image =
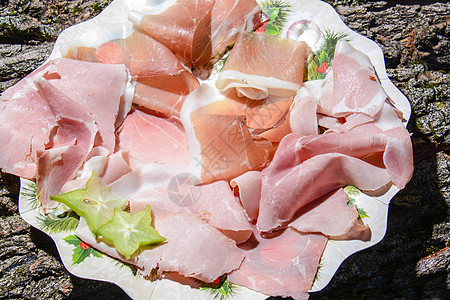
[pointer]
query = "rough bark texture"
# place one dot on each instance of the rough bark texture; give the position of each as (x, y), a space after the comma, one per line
(411, 262)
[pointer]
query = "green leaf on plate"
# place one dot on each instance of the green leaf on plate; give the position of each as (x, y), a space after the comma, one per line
(95, 203)
(81, 250)
(128, 232)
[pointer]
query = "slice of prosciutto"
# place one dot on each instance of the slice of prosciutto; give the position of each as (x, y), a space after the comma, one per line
(160, 81)
(148, 138)
(352, 86)
(220, 145)
(285, 265)
(248, 185)
(198, 31)
(333, 217)
(261, 66)
(193, 249)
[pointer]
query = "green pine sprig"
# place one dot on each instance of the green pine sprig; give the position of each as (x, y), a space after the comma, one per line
(221, 291)
(29, 194)
(66, 223)
(352, 192)
(325, 54)
(277, 11)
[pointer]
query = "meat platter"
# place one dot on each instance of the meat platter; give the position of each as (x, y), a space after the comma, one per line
(278, 149)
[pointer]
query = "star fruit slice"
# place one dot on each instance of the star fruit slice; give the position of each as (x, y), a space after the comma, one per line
(95, 203)
(128, 232)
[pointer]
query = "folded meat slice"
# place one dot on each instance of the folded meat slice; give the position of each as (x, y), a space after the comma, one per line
(220, 145)
(352, 86)
(72, 142)
(285, 265)
(184, 27)
(30, 121)
(261, 66)
(193, 249)
(331, 216)
(248, 186)
(148, 138)
(161, 81)
(199, 31)
(288, 186)
(214, 203)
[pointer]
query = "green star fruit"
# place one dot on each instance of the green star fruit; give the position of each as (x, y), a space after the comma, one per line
(95, 203)
(128, 232)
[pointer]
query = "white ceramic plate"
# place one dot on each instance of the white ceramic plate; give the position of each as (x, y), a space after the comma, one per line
(112, 24)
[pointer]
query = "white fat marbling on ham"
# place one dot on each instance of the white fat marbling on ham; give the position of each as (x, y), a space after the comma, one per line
(206, 252)
(248, 70)
(287, 186)
(249, 187)
(148, 138)
(285, 265)
(352, 85)
(333, 217)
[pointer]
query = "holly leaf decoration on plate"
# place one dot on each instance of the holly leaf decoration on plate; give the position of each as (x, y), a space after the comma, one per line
(81, 250)
(95, 203)
(128, 232)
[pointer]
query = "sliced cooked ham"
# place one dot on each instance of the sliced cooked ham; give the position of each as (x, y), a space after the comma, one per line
(214, 203)
(261, 66)
(352, 86)
(285, 265)
(333, 217)
(220, 146)
(287, 186)
(193, 249)
(248, 185)
(148, 138)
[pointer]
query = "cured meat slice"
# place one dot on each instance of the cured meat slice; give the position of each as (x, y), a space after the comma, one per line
(287, 188)
(333, 217)
(220, 146)
(184, 27)
(352, 86)
(261, 66)
(148, 138)
(214, 203)
(161, 82)
(228, 18)
(193, 249)
(71, 144)
(248, 185)
(199, 31)
(285, 265)
(96, 96)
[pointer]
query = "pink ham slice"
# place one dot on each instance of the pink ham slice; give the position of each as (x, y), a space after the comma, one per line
(214, 203)
(148, 138)
(333, 217)
(96, 96)
(285, 265)
(161, 82)
(288, 185)
(261, 66)
(72, 143)
(352, 86)
(248, 185)
(206, 252)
